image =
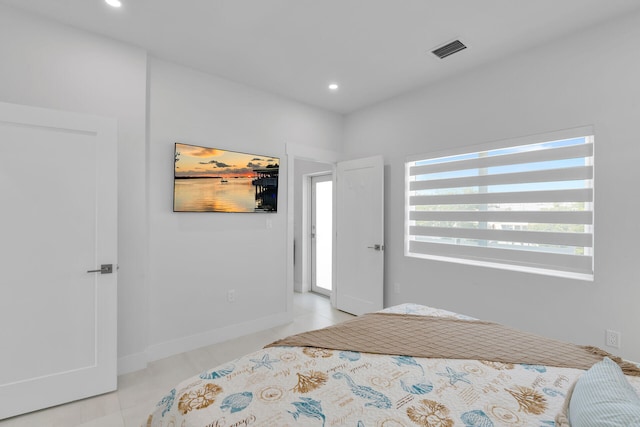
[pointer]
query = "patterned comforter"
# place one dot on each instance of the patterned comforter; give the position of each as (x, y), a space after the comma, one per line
(302, 386)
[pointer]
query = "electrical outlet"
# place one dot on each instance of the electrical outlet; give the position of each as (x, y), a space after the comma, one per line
(612, 338)
(231, 295)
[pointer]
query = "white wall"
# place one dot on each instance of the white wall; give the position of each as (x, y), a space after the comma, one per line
(49, 65)
(195, 258)
(590, 78)
(175, 269)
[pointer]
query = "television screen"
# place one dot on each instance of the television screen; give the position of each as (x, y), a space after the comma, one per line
(215, 180)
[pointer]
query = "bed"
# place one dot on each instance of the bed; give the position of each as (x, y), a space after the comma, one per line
(295, 382)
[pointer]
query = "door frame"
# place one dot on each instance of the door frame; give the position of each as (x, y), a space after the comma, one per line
(307, 230)
(293, 152)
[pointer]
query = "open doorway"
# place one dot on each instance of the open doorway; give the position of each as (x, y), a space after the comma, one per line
(358, 275)
(321, 232)
(307, 171)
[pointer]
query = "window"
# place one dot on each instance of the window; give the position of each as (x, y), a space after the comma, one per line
(524, 205)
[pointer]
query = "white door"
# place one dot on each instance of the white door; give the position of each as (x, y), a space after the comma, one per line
(58, 187)
(360, 235)
(322, 233)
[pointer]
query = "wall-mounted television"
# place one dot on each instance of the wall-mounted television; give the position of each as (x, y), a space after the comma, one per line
(216, 180)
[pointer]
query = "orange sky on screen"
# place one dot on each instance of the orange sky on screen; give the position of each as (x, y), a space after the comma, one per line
(203, 161)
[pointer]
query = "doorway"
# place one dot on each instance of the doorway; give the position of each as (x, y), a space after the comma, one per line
(58, 302)
(302, 256)
(321, 233)
(304, 161)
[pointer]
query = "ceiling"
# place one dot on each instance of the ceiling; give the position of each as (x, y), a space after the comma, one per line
(374, 49)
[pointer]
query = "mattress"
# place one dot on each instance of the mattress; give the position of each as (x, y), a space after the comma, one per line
(307, 386)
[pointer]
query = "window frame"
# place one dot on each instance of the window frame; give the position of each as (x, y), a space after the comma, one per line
(584, 131)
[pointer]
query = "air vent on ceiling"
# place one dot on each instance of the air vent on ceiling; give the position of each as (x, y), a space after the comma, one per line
(449, 49)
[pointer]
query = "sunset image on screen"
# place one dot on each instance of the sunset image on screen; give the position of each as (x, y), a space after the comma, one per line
(215, 180)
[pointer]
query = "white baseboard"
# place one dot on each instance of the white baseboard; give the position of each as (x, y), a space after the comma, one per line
(139, 361)
(132, 363)
(302, 287)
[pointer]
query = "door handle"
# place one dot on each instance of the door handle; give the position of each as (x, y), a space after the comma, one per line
(376, 247)
(104, 269)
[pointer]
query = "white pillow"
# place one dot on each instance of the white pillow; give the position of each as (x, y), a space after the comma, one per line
(602, 397)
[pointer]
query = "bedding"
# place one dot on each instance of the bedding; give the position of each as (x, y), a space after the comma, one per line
(448, 338)
(312, 386)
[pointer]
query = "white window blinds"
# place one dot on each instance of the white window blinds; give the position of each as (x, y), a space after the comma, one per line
(523, 204)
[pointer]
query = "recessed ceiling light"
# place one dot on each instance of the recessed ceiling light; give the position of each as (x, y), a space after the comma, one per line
(333, 86)
(114, 3)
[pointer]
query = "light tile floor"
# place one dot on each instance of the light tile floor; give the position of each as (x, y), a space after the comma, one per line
(139, 391)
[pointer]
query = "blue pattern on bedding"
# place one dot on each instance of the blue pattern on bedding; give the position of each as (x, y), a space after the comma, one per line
(219, 373)
(309, 408)
(476, 418)
(167, 402)
(376, 398)
(352, 356)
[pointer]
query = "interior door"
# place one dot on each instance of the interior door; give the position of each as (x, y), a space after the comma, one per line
(322, 233)
(360, 235)
(58, 220)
